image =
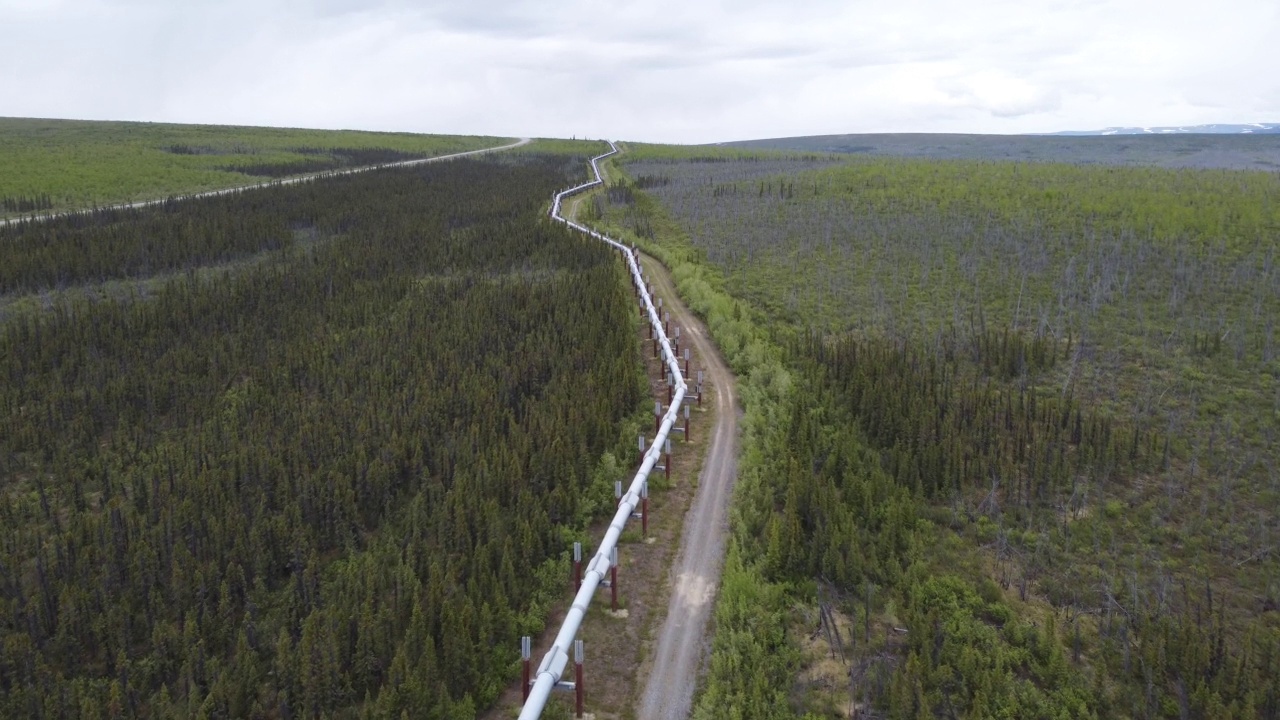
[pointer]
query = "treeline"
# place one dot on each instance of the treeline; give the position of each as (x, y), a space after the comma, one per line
(328, 485)
(946, 419)
(321, 159)
(22, 203)
(112, 244)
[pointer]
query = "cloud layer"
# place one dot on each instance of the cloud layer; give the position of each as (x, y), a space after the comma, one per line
(657, 71)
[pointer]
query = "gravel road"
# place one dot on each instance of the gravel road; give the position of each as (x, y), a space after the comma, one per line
(682, 644)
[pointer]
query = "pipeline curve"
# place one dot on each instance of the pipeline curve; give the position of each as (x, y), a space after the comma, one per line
(551, 669)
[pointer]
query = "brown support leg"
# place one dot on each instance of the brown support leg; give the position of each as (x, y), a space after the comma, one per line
(613, 588)
(644, 510)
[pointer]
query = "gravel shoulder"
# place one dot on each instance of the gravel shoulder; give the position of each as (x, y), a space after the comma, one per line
(681, 645)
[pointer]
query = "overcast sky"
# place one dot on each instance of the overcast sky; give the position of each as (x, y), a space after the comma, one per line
(654, 70)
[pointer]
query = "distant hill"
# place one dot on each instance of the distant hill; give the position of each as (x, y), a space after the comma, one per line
(1240, 151)
(1245, 129)
(57, 165)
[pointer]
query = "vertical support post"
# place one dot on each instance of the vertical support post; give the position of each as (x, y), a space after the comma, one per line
(644, 510)
(666, 465)
(655, 344)
(642, 444)
(666, 323)
(613, 579)
(657, 416)
(686, 362)
(577, 567)
(699, 388)
(617, 490)
(526, 652)
(670, 387)
(686, 425)
(578, 690)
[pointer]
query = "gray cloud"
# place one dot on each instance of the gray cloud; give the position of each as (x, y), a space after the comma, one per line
(662, 70)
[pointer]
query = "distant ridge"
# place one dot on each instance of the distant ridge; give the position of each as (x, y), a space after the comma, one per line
(1256, 150)
(1243, 129)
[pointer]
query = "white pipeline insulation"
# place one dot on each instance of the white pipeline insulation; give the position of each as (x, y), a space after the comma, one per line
(554, 662)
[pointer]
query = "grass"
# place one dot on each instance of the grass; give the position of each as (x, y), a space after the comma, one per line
(72, 164)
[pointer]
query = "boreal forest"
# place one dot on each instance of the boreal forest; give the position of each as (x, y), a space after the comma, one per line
(1008, 448)
(1011, 430)
(304, 451)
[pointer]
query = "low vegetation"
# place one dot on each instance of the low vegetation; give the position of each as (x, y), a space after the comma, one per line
(1191, 150)
(70, 164)
(1013, 424)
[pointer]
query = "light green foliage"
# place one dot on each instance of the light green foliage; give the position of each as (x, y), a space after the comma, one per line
(78, 164)
(752, 662)
(1008, 381)
(974, 661)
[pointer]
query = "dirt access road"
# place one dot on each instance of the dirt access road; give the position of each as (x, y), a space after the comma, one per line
(644, 663)
(681, 646)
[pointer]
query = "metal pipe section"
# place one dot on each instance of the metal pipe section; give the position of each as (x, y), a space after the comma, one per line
(557, 658)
